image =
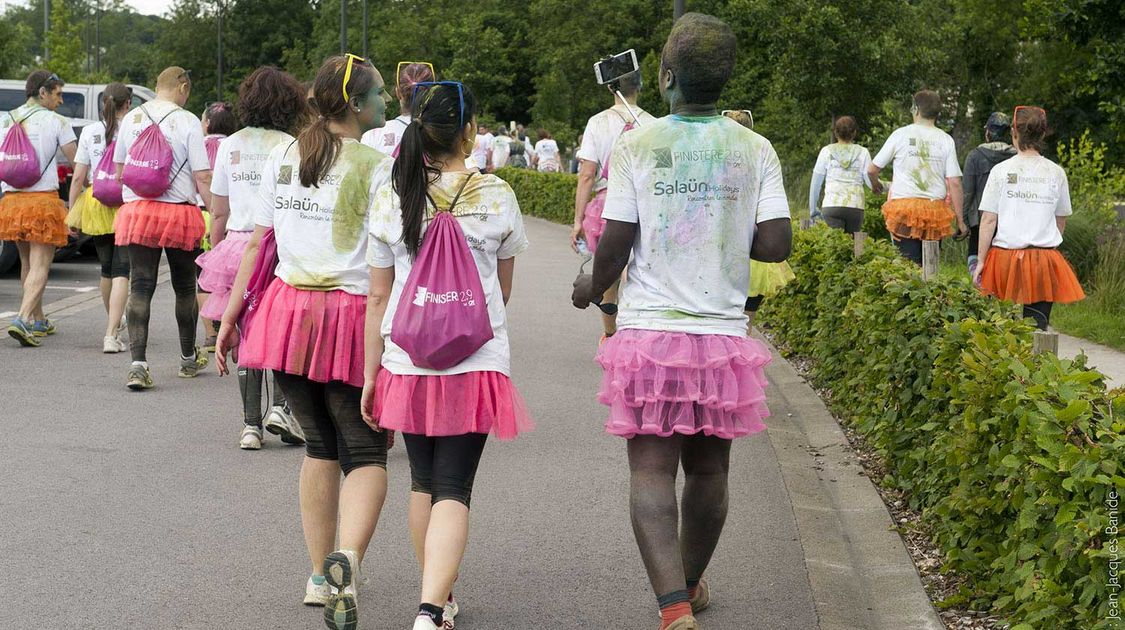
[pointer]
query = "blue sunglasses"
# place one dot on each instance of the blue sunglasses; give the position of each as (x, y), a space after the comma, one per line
(430, 84)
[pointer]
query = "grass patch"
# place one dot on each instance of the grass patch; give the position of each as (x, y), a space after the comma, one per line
(1086, 319)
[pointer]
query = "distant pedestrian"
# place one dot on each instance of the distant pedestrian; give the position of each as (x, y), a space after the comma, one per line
(978, 165)
(482, 149)
(841, 171)
(520, 149)
(96, 218)
(317, 194)
(386, 138)
(219, 122)
(547, 153)
(501, 148)
(31, 213)
(926, 173)
(1023, 216)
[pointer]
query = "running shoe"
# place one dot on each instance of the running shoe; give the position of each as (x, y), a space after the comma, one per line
(42, 328)
(113, 345)
(341, 611)
(21, 332)
(189, 368)
(315, 594)
(685, 623)
(251, 440)
(449, 614)
(281, 423)
(423, 622)
(139, 378)
(702, 598)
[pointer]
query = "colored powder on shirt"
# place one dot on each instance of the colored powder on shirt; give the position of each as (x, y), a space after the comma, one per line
(355, 195)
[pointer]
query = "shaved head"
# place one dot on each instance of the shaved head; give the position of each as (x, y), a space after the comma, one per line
(700, 51)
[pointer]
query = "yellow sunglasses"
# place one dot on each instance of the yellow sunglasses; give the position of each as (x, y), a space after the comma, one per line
(402, 64)
(350, 60)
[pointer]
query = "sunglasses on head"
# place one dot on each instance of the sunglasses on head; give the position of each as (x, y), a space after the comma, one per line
(349, 61)
(728, 112)
(50, 78)
(402, 64)
(460, 96)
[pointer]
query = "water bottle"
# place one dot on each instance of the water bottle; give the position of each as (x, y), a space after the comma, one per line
(583, 249)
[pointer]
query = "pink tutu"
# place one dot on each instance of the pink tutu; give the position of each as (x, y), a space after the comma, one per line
(220, 266)
(315, 334)
(452, 404)
(593, 224)
(159, 224)
(660, 383)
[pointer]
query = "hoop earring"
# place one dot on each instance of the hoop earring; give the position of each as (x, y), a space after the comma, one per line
(472, 144)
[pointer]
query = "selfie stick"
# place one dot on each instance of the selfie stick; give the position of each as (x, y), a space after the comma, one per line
(617, 91)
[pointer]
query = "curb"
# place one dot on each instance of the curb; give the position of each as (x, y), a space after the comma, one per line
(859, 570)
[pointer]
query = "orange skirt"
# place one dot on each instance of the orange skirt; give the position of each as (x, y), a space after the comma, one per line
(1026, 276)
(33, 217)
(920, 219)
(159, 224)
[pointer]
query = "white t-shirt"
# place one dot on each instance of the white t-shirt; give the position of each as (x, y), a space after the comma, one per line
(321, 231)
(184, 134)
(602, 131)
(844, 167)
(481, 150)
(547, 152)
(923, 158)
(238, 172)
(386, 139)
(501, 150)
(489, 215)
(91, 147)
(1026, 194)
(47, 131)
(697, 188)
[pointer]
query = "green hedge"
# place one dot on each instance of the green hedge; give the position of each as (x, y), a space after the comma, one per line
(545, 195)
(1009, 456)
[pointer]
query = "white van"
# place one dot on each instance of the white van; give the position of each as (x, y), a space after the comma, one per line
(81, 104)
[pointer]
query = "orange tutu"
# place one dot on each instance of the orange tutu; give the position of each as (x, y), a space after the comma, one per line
(1026, 276)
(159, 224)
(920, 219)
(33, 217)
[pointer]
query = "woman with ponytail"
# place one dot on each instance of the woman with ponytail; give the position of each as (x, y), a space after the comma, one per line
(316, 194)
(96, 219)
(387, 138)
(445, 415)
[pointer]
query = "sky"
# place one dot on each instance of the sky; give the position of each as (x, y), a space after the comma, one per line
(150, 7)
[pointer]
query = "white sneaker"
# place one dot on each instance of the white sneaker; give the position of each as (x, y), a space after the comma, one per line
(281, 423)
(341, 570)
(113, 345)
(317, 594)
(423, 622)
(450, 612)
(251, 440)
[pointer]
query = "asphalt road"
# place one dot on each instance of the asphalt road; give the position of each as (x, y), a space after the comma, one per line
(138, 510)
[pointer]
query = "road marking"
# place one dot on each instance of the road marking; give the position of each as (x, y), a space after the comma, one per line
(75, 289)
(7, 314)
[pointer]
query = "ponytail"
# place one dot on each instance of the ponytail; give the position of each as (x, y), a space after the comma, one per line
(319, 148)
(114, 97)
(411, 176)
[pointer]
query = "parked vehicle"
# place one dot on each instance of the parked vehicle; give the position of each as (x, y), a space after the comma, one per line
(81, 103)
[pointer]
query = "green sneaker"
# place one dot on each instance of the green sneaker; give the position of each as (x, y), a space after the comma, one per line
(189, 368)
(139, 378)
(42, 328)
(22, 332)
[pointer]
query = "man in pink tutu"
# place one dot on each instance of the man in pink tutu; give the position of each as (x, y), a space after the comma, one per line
(692, 198)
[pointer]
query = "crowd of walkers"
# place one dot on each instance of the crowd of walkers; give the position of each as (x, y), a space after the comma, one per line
(362, 266)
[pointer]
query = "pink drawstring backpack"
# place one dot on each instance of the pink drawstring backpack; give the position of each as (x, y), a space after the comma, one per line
(19, 164)
(148, 166)
(264, 273)
(106, 187)
(211, 143)
(442, 317)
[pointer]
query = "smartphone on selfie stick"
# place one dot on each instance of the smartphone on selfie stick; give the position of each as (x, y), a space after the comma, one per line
(612, 68)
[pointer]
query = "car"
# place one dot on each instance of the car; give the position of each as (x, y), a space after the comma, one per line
(80, 104)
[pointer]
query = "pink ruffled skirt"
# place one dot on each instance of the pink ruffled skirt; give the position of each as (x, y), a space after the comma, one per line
(593, 224)
(315, 334)
(660, 383)
(453, 404)
(220, 266)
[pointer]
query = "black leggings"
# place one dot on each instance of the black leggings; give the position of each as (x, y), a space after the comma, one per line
(114, 260)
(250, 384)
(444, 467)
(974, 241)
(675, 551)
(1040, 312)
(329, 414)
(144, 265)
(849, 220)
(910, 248)
(754, 302)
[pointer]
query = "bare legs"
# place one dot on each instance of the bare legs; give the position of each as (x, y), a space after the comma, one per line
(35, 265)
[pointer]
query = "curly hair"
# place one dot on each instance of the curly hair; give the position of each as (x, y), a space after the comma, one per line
(272, 99)
(701, 51)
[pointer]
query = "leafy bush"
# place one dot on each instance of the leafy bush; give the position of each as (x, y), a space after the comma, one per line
(545, 195)
(1009, 456)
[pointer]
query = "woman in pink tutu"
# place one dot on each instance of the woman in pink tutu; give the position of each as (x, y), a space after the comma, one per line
(692, 198)
(271, 105)
(316, 193)
(445, 415)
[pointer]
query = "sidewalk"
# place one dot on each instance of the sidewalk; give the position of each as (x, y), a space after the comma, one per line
(1102, 358)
